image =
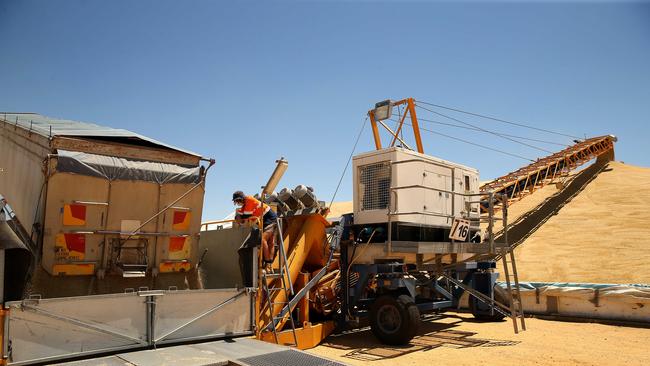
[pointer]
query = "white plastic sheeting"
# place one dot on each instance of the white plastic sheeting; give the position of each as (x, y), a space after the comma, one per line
(584, 300)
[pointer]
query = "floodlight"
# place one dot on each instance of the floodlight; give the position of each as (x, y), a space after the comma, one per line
(383, 110)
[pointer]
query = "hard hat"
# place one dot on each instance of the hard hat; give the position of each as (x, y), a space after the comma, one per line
(238, 195)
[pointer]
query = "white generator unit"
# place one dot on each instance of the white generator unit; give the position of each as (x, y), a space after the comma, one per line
(415, 197)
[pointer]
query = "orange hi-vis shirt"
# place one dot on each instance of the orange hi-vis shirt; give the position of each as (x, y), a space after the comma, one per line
(253, 207)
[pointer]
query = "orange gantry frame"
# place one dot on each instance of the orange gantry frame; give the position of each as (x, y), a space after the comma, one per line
(526, 180)
(410, 110)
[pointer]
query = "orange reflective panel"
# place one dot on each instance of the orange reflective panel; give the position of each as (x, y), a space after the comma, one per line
(70, 247)
(74, 215)
(166, 267)
(179, 247)
(181, 220)
(73, 269)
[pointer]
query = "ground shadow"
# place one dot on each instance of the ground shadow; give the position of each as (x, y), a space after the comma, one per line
(362, 345)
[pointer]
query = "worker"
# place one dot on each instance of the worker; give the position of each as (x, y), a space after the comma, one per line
(251, 209)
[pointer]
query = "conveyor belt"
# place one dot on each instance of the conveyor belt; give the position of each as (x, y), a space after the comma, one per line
(527, 179)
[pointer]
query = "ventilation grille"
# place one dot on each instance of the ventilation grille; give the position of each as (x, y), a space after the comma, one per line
(374, 186)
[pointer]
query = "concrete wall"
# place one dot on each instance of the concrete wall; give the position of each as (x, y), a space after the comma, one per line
(220, 267)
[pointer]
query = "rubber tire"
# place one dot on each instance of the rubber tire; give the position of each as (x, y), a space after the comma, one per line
(409, 319)
(500, 296)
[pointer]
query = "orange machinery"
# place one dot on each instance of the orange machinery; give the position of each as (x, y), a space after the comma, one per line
(308, 255)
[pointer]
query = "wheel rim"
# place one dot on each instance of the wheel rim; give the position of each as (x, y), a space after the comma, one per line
(388, 319)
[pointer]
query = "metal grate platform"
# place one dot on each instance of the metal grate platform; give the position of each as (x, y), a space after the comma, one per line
(235, 351)
(287, 358)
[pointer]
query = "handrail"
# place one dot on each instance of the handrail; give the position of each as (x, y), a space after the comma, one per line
(214, 222)
(493, 199)
(439, 190)
(442, 165)
(476, 219)
(394, 189)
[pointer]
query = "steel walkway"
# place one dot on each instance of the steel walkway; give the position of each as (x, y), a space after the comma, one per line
(238, 351)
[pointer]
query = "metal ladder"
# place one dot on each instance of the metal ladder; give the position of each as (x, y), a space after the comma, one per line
(508, 258)
(516, 308)
(286, 286)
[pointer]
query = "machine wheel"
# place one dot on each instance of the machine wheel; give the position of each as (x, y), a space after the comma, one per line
(500, 296)
(394, 320)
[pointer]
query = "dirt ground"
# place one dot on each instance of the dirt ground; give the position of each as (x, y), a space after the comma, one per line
(456, 339)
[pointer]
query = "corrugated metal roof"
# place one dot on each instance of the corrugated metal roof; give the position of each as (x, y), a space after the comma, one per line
(52, 127)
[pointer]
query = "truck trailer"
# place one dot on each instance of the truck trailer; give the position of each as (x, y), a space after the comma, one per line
(92, 201)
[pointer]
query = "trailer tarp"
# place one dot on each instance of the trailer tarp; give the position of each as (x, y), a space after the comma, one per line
(51, 127)
(115, 168)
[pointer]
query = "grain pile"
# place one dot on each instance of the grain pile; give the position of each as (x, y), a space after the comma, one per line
(602, 235)
(339, 208)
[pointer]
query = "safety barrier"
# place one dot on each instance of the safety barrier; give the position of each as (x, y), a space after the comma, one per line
(43, 330)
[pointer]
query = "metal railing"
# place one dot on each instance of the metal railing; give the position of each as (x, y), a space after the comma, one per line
(215, 222)
(492, 201)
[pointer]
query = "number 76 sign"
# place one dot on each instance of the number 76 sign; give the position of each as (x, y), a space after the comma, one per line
(459, 229)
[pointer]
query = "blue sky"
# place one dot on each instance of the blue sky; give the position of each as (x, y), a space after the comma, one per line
(248, 82)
